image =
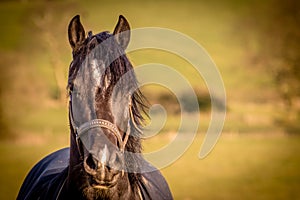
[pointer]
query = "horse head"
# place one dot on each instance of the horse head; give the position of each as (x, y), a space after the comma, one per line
(103, 104)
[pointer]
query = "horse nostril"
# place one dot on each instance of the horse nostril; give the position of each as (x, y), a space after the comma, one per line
(91, 163)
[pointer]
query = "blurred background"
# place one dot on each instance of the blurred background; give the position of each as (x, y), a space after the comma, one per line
(255, 45)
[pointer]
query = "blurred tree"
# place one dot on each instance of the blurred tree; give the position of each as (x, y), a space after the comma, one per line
(51, 29)
(276, 26)
(45, 24)
(283, 44)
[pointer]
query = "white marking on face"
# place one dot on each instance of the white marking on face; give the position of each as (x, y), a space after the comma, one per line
(96, 71)
(103, 158)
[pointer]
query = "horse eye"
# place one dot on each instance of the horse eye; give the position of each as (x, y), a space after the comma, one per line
(71, 88)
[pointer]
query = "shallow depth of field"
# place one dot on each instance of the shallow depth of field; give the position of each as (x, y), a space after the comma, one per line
(256, 156)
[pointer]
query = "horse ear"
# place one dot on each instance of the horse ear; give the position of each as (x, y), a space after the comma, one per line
(76, 33)
(122, 32)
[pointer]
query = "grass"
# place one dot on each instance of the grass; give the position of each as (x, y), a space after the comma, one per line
(240, 167)
(11, 34)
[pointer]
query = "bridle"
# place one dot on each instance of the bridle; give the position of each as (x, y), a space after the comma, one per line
(80, 130)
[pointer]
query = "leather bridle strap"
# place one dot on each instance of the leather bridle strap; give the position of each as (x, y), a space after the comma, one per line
(103, 124)
(79, 131)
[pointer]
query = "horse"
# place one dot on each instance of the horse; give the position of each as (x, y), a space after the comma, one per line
(106, 113)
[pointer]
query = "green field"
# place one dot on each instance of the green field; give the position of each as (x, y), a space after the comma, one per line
(255, 158)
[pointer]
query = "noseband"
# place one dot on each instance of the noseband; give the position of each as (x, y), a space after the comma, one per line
(103, 124)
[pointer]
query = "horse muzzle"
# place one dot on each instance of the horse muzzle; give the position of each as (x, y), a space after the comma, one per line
(105, 168)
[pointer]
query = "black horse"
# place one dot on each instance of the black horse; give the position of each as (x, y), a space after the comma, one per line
(105, 112)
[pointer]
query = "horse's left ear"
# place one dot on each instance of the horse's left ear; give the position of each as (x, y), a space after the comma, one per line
(122, 32)
(76, 33)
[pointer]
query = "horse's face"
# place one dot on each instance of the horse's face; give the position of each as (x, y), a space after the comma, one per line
(100, 101)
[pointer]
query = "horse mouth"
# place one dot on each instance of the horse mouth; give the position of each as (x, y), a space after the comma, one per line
(100, 184)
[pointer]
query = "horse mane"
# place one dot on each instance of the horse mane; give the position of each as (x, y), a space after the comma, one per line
(115, 70)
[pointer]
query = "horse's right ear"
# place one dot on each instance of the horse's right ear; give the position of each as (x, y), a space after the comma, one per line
(122, 32)
(76, 33)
